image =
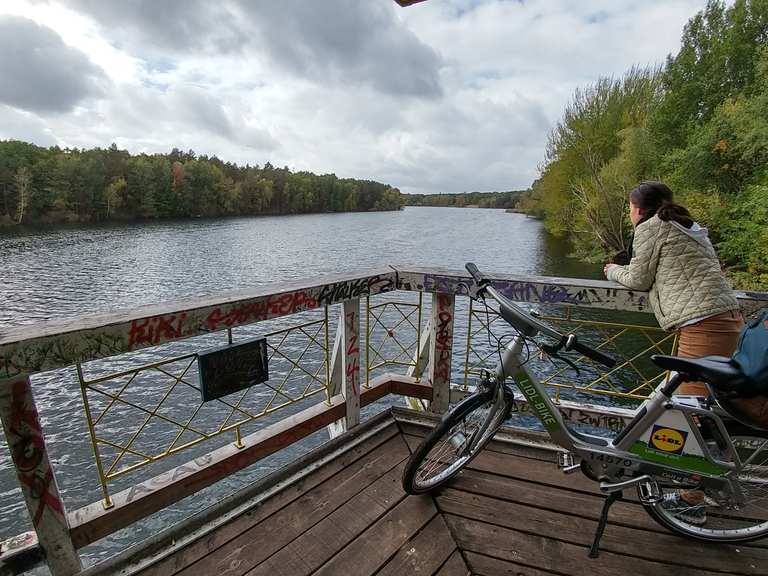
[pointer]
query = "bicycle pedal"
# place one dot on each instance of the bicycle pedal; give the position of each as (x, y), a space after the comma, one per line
(565, 460)
(650, 493)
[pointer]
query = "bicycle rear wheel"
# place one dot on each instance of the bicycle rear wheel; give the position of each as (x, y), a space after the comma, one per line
(707, 516)
(454, 442)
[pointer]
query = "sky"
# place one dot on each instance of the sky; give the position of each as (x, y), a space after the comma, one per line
(442, 96)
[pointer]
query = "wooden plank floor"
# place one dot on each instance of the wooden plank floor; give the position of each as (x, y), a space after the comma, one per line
(511, 512)
(349, 517)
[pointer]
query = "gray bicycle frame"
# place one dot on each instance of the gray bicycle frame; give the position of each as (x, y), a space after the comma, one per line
(613, 457)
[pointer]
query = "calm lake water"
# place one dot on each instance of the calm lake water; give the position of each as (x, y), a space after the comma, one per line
(69, 272)
(66, 272)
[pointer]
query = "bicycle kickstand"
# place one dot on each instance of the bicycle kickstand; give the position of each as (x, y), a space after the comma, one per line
(594, 552)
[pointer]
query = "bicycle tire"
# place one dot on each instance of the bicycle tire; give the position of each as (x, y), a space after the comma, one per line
(754, 527)
(413, 482)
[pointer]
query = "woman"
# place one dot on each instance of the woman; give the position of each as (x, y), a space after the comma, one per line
(674, 259)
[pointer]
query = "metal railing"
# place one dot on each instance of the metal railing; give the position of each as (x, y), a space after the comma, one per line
(318, 384)
(633, 378)
(382, 329)
(165, 397)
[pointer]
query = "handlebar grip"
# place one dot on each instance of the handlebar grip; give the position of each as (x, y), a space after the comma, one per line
(474, 272)
(595, 355)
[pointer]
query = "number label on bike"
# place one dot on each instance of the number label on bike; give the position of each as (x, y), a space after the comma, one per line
(608, 459)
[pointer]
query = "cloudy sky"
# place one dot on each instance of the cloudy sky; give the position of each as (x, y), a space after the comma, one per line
(444, 96)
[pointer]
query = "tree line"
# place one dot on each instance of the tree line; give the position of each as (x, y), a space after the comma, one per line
(699, 122)
(479, 199)
(46, 185)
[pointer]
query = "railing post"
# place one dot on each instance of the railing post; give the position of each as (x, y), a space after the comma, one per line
(26, 442)
(335, 381)
(420, 362)
(351, 374)
(441, 350)
(345, 366)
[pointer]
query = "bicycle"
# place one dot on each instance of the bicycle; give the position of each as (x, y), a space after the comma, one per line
(675, 447)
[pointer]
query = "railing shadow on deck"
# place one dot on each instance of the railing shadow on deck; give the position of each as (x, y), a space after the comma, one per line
(334, 345)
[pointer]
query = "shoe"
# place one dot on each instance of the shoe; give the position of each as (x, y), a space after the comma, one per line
(694, 514)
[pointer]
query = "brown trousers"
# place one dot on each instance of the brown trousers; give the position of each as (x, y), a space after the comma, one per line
(718, 335)
(713, 336)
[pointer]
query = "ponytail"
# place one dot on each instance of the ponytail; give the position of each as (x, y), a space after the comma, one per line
(671, 211)
(655, 198)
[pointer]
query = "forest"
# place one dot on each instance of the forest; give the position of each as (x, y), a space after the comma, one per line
(699, 123)
(477, 199)
(47, 185)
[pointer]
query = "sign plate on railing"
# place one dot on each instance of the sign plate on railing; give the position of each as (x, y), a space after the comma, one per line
(232, 368)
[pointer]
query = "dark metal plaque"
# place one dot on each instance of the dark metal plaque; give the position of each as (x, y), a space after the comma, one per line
(232, 368)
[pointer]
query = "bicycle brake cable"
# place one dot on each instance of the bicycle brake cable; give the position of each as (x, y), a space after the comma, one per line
(551, 350)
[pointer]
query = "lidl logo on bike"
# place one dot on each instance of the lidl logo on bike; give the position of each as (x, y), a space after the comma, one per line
(667, 440)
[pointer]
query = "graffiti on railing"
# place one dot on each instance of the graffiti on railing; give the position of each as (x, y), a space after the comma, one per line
(352, 324)
(58, 349)
(351, 289)
(25, 439)
(151, 331)
(443, 337)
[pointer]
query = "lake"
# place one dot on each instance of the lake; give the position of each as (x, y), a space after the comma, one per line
(68, 271)
(71, 271)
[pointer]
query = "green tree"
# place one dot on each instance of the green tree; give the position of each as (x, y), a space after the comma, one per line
(113, 194)
(23, 181)
(595, 155)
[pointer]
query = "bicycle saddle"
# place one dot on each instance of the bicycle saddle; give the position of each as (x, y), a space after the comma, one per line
(717, 371)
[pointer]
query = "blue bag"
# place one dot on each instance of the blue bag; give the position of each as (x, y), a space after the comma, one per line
(752, 354)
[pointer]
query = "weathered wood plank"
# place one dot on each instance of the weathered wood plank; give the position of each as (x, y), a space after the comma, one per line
(46, 346)
(317, 545)
(26, 441)
(454, 566)
(350, 326)
(181, 558)
(370, 551)
(545, 473)
(441, 352)
(425, 553)
(653, 546)
(93, 522)
(526, 451)
(543, 289)
(259, 542)
(564, 501)
(554, 555)
(487, 566)
(406, 386)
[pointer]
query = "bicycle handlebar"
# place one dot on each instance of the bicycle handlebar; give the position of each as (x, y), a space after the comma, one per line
(529, 326)
(594, 354)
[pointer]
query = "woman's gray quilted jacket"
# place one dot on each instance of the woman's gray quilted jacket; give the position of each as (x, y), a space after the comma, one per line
(680, 268)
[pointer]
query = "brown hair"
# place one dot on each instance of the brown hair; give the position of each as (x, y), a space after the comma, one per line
(655, 198)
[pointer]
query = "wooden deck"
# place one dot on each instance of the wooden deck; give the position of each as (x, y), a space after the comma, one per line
(512, 512)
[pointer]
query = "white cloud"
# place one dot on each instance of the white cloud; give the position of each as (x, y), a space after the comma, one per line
(444, 96)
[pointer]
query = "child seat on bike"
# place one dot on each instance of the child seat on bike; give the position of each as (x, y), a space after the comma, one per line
(730, 386)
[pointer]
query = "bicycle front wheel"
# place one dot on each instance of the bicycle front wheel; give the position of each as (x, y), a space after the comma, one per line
(706, 516)
(452, 444)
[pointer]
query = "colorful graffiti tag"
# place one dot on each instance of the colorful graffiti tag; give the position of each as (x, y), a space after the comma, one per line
(25, 439)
